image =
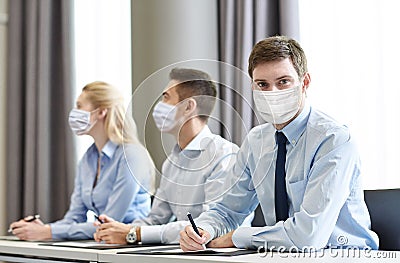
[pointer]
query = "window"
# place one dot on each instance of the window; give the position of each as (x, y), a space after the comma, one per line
(353, 62)
(102, 48)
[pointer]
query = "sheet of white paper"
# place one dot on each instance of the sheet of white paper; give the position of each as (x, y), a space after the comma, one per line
(178, 250)
(81, 244)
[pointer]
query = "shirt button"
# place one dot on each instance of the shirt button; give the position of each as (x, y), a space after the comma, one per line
(293, 141)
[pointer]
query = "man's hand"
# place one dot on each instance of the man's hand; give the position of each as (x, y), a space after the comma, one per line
(222, 241)
(31, 231)
(191, 241)
(104, 219)
(112, 233)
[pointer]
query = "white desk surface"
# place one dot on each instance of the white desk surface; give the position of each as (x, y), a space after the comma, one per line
(25, 250)
(335, 256)
(33, 249)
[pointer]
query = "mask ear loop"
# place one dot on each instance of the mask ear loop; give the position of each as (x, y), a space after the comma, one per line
(95, 121)
(93, 111)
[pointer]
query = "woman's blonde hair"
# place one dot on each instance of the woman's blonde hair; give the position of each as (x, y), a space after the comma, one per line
(120, 127)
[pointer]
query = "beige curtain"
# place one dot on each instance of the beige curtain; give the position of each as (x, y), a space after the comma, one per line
(242, 24)
(40, 165)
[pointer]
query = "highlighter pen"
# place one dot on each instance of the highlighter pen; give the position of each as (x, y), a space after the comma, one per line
(31, 219)
(189, 215)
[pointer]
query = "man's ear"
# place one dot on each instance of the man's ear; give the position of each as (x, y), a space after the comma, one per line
(191, 106)
(306, 81)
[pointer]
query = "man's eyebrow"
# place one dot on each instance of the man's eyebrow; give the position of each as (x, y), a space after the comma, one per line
(278, 78)
(284, 77)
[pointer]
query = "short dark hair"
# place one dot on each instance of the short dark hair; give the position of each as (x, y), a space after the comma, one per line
(197, 84)
(276, 48)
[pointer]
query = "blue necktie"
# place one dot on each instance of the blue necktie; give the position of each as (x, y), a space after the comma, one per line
(281, 202)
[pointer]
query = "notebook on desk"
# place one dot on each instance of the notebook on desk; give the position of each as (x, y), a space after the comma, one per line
(14, 238)
(177, 251)
(91, 244)
(10, 238)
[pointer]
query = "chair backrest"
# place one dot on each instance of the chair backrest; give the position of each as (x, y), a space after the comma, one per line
(384, 210)
(258, 219)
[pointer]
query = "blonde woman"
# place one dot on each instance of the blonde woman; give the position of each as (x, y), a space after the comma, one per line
(113, 176)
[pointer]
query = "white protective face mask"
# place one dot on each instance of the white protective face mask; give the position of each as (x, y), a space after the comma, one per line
(164, 116)
(279, 106)
(79, 121)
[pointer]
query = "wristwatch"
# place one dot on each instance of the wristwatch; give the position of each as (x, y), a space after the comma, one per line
(131, 237)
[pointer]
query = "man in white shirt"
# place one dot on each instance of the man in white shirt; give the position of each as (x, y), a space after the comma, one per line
(192, 174)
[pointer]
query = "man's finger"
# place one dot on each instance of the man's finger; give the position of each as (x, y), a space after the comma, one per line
(107, 239)
(106, 219)
(96, 237)
(189, 243)
(198, 239)
(183, 246)
(106, 226)
(101, 235)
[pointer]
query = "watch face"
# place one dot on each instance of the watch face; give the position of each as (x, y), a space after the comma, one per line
(131, 236)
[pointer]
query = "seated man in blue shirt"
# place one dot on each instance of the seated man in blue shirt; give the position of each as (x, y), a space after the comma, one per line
(192, 176)
(302, 167)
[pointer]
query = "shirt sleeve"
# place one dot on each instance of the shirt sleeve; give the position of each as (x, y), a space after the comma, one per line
(326, 191)
(165, 234)
(169, 233)
(161, 211)
(76, 212)
(214, 185)
(239, 201)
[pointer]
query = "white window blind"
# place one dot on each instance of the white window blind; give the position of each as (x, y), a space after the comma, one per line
(102, 48)
(353, 60)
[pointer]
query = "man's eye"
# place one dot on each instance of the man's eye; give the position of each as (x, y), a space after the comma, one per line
(262, 84)
(284, 81)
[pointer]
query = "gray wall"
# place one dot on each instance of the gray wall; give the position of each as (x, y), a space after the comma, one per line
(3, 47)
(164, 33)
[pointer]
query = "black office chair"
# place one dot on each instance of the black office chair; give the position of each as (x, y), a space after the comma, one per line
(383, 206)
(258, 219)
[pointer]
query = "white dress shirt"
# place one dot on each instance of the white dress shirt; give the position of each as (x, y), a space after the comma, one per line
(192, 179)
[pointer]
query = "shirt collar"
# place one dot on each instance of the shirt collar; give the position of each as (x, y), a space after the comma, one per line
(295, 128)
(197, 143)
(109, 149)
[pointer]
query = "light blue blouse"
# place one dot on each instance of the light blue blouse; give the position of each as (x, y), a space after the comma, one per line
(120, 192)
